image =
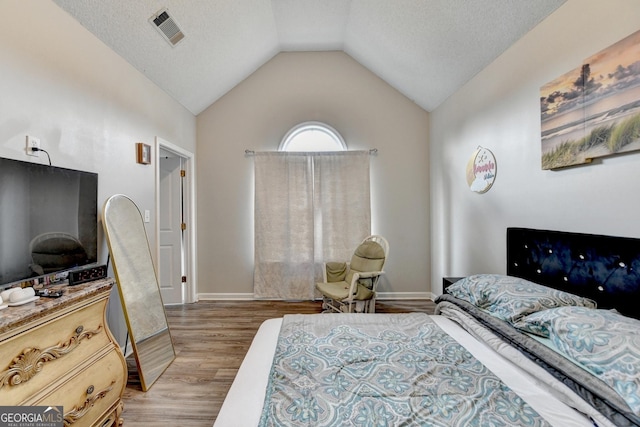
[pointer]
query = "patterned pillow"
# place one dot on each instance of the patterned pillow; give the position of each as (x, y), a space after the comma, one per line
(511, 298)
(605, 342)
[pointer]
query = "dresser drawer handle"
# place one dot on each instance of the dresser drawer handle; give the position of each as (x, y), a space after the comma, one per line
(79, 411)
(90, 389)
(27, 364)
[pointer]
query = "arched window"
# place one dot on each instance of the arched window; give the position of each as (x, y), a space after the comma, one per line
(312, 136)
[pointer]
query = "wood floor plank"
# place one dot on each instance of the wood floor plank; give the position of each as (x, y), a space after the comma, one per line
(211, 339)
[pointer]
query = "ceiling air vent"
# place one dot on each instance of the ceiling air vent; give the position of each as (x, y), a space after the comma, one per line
(167, 26)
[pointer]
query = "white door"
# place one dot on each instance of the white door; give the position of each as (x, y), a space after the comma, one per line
(171, 265)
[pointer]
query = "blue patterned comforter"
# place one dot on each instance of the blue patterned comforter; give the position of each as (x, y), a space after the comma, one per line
(383, 370)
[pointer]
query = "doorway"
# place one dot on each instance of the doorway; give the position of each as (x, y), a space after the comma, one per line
(175, 228)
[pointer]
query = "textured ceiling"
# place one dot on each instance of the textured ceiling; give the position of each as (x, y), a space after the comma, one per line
(426, 49)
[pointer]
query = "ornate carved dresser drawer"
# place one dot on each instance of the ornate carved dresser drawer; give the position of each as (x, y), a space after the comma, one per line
(60, 352)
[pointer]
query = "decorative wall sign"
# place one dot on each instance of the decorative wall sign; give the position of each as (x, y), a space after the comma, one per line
(593, 110)
(481, 170)
(143, 153)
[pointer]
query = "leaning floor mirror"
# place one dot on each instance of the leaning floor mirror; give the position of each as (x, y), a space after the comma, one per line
(138, 288)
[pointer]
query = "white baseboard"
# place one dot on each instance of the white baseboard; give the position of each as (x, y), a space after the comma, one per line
(381, 296)
(405, 295)
(226, 296)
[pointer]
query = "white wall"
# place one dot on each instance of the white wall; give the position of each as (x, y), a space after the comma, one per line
(291, 88)
(87, 105)
(499, 109)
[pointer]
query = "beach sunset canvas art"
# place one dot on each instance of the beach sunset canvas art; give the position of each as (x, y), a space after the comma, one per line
(593, 110)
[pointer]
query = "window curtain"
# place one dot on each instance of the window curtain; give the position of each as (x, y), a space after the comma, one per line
(309, 208)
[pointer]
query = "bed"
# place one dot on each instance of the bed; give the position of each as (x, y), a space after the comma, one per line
(495, 352)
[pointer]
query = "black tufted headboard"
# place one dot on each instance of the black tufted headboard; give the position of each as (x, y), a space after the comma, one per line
(604, 268)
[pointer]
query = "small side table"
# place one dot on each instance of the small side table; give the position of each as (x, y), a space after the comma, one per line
(448, 281)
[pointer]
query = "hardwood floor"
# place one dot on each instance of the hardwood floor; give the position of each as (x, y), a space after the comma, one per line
(211, 338)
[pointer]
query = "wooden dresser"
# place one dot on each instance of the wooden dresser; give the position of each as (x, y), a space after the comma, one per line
(60, 352)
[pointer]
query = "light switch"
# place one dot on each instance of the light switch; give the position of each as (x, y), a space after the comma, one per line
(147, 215)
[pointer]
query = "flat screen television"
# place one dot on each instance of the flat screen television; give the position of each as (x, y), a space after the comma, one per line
(48, 221)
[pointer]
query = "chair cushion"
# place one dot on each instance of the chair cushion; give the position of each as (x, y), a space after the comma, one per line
(340, 291)
(363, 293)
(335, 290)
(370, 250)
(336, 271)
(369, 256)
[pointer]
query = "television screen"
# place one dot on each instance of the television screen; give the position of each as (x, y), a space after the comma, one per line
(48, 220)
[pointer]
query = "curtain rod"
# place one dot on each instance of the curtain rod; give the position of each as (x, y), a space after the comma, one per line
(252, 152)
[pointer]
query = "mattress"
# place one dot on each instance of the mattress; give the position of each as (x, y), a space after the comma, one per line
(243, 405)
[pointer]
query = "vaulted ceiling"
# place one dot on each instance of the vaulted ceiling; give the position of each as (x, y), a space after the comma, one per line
(425, 49)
